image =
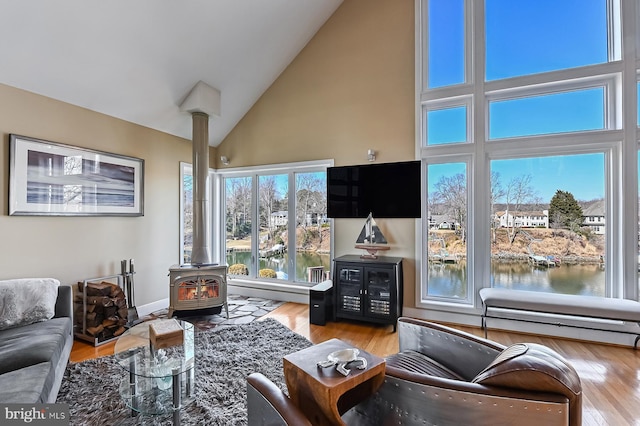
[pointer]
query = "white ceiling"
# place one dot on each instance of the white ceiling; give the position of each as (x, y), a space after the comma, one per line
(137, 59)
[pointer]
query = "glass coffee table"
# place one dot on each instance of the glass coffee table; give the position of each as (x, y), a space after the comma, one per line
(160, 381)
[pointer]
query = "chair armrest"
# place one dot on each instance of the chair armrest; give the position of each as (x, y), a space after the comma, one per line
(268, 405)
(440, 401)
(457, 350)
(64, 302)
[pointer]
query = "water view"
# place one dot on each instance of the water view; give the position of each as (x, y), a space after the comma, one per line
(450, 280)
(279, 264)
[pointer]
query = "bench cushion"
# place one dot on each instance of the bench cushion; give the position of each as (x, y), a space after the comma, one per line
(565, 304)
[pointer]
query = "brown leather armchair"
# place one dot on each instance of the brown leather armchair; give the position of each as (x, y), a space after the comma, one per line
(443, 376)
(267, 405)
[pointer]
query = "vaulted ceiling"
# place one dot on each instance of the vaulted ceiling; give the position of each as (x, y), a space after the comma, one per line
(137, 59)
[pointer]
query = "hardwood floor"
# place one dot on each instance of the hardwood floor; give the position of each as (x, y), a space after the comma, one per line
(610, 374)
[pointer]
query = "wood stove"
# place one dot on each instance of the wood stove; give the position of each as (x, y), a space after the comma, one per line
(197, 287)
(200, 284)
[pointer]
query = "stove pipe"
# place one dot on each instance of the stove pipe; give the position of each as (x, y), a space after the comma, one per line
(201, 253)
(202, 102)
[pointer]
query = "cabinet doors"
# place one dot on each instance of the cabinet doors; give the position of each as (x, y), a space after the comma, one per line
(380, 287)
(349, 289)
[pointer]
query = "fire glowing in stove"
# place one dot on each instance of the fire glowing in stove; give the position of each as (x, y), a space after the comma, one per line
(199, 289)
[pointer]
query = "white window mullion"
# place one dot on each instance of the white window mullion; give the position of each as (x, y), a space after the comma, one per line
(291, 217)
(614, 30)
(628, 231)
(422, 6)
(479, 207)
(255, 226)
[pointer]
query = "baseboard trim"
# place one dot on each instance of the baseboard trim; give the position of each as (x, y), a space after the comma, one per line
(278, 294)
(152, 307)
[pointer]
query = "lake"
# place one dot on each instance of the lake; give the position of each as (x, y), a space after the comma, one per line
(279, 264)
(449, 280)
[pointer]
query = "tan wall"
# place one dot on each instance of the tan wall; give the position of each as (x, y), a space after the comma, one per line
(75, 248)
(350, 89)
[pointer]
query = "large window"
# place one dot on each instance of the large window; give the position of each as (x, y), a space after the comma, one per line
(550, 222)
(275, 223)
(447, 233)
(529, 122)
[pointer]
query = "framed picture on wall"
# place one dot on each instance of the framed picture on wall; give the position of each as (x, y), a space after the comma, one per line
(52, 179)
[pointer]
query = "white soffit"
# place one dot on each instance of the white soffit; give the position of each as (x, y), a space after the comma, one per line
(202, 98)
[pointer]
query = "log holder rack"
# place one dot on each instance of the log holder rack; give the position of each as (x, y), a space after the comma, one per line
(83, 335)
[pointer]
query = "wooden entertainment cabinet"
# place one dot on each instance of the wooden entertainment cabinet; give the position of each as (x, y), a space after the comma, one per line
(368, 289)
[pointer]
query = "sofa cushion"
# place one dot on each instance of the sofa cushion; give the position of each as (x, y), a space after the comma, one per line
(34, 343)
(27, 385)
(533, 367)
(416, 362)
(27, 300)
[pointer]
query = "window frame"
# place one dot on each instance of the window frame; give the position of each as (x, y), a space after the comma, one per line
(619, 141)
(266, 170)
(424, 238)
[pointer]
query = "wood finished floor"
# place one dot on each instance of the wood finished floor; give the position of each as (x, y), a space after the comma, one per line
(610, 374)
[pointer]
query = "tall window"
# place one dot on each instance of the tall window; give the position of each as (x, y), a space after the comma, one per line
(238, 223)
(313, 230)
(527, 130)
(447, 233)
(276, 223)
(186, 209)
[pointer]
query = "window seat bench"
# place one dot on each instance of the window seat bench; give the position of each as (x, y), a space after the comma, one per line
(563, 304)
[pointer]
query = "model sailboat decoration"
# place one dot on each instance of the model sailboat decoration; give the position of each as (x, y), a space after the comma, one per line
(371, 239)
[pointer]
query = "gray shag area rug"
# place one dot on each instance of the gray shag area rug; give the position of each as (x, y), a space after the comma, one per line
(225, 356)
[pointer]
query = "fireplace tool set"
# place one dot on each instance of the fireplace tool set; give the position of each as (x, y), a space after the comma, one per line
(127, 277)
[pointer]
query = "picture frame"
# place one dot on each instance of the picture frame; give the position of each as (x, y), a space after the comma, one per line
(53, 179)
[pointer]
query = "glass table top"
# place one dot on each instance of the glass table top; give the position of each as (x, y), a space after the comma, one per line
(135, 353)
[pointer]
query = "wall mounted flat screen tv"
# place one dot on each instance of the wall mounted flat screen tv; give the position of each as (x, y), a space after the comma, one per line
(387, 190)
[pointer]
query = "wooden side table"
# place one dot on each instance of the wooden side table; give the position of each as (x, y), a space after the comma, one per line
(323, 394)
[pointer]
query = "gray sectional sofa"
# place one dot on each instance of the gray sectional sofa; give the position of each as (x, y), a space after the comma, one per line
(33, 357)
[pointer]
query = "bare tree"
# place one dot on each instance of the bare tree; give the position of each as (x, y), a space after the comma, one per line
(238, 204)
(451, 193)
(187, 202)
(497, 192)
(517, 193)
(311, 199)
(268, 200)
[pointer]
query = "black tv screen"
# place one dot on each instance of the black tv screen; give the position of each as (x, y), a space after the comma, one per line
(386, 190)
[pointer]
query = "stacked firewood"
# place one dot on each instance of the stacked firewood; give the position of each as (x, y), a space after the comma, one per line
(106, 309)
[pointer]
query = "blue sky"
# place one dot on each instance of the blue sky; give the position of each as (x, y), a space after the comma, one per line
(526, 37)
(583, 175)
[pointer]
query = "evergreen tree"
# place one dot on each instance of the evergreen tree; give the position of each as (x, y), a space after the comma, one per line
(564, 211)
